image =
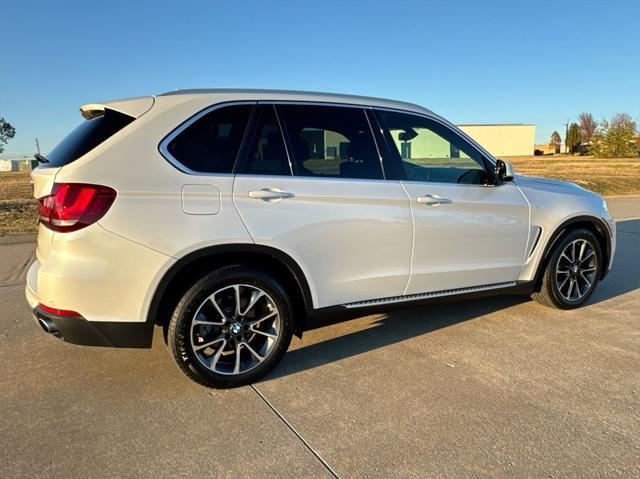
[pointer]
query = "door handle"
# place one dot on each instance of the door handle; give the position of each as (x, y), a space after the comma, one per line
(270, 194)
(433, 200)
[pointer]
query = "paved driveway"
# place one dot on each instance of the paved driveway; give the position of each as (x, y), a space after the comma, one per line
(494, 387)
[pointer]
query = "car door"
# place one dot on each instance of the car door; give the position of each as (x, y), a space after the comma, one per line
(469, 232)
(310, 183)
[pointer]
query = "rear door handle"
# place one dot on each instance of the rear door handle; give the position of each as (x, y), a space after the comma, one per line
(270, 194)
(433, 200)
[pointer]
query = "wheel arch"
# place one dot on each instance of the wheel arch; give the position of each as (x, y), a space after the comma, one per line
(597, 226)
(187, 269)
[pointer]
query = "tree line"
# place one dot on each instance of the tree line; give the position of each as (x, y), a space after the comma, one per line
(6, 133)
(614, 138)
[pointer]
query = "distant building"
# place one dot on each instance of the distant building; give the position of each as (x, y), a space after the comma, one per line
(547, 149)
(509, 139)
(17, 165)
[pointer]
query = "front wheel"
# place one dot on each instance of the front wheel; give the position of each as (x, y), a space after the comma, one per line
(231, 327)
(572, 273)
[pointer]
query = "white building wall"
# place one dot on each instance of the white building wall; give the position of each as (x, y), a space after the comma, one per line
(503, 140)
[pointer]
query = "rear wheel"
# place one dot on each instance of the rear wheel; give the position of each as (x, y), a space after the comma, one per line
(231, 327)
(572, 272)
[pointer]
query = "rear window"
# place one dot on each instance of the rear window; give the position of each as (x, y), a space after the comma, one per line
(86, 136)
(211, 143)
(267, 154)
(329, 141)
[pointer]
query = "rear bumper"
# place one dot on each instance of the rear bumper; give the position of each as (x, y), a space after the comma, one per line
(104, 277)
(77, 330)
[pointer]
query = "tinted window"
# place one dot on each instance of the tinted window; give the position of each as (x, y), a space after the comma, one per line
(211, 143)
(429, 151)
(331, 142)
(86, 136)
(266, 154)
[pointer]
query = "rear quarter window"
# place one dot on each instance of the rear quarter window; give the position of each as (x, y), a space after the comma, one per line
(210, 144)
(86, 136)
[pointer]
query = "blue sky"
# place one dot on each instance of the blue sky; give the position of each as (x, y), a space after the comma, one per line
(472, 61)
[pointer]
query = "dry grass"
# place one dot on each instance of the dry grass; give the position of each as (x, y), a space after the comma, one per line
(606, 176)
(610, 176)
(15, 185)
(18, 212)
(18, 217)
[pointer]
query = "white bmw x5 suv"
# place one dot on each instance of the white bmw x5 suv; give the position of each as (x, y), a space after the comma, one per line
(237, 218)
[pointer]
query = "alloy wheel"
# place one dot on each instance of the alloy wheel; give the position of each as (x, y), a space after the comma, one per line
(235, 329)
(576, 270)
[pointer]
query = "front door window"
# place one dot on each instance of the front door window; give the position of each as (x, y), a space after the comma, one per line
(430, 151)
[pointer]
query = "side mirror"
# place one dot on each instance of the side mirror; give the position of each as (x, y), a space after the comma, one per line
(504, 171)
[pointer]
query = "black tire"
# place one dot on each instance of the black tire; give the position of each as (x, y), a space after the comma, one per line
(180, 333)
(550, 293)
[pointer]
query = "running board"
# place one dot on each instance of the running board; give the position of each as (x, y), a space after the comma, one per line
(434, 294)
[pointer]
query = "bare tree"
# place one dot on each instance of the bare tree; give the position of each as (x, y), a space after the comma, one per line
(588, 126)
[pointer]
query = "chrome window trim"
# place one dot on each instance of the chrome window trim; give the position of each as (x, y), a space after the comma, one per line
(320, 178)
(163, 147)
(317, 103)
(444, 183)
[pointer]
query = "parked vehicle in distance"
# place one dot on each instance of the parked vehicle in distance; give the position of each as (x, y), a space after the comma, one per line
(237, 218)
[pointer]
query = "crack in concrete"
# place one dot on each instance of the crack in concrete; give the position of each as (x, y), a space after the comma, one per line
(315, 453)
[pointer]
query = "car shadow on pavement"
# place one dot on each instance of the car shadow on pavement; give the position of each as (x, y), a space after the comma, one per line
(390, 328)
(625, 273)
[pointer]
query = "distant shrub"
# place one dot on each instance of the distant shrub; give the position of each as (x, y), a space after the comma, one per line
(617, 138)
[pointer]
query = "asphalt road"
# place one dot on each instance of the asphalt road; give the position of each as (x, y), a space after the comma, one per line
(497, 387)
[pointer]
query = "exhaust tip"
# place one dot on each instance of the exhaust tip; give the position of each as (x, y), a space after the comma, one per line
(49, 327)
(45, 324)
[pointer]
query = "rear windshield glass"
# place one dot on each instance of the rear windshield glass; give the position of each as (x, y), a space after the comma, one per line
(86, 137)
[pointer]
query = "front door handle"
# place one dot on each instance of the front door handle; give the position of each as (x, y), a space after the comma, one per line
(433, 200)
(270, 194)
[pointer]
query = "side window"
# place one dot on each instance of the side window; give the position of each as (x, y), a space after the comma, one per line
(331, 141)
(430, 151)
(211, 143)
(266, 154)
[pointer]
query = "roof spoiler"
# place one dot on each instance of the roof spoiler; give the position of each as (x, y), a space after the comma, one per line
(134, 107)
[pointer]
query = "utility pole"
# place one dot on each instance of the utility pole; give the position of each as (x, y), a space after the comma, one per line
(566, 134)
(38, 146)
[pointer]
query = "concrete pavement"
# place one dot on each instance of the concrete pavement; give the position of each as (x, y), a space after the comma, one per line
(624, 207)
(496, 387)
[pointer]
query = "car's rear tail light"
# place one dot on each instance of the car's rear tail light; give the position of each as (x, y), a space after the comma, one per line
(59, 312)
(72, 206)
